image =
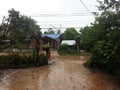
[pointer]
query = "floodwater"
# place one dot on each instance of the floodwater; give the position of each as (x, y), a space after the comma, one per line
(63, 73)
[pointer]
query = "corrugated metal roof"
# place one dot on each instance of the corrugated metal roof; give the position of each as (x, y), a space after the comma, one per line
(68, 42)
(53, 36)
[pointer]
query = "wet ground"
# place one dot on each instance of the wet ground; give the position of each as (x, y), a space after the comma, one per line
(63, 73)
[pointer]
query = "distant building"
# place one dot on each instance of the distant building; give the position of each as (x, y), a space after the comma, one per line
(53, 40)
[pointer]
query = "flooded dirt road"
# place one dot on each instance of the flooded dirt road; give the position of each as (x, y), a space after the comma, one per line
(64, 73)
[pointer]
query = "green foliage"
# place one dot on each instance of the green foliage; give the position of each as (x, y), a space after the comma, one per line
(43, 59)
(89, 36)
(104, 57)
(105, 54)
(46, 47)
(19, 29)
(65, 49)
(20, 61)
(69, 34)
(58, 31)
(106, 48)
(77, 39)
(109, 4)
(50, 31)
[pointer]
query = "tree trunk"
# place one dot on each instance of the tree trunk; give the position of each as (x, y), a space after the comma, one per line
(37, 48)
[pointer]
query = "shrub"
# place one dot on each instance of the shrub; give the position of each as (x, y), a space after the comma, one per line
(16, 61)
(43, 59)
(63, 49)
(104, 57)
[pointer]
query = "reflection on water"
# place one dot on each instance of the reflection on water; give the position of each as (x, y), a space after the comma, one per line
(62, 75)
(24, 79)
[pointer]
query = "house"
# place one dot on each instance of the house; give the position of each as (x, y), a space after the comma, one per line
(53, 40)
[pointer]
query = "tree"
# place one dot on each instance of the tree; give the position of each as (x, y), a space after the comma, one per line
(4, 34)
(105, 52)
(70, 34)
(110, 4)
(37, 38)
(50, 31)
(89, 36)
(58, 31)
(18, 29)
(77, 39)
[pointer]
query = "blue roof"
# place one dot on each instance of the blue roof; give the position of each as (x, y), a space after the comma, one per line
(53, 36)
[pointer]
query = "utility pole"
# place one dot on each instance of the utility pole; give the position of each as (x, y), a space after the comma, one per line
(60, 29)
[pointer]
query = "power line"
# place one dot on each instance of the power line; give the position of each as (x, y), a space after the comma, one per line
(73, 21)
(58, 14)
(61, 27)
(85, 6)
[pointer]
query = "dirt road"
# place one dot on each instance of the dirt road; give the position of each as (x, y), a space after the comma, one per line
(64, 73)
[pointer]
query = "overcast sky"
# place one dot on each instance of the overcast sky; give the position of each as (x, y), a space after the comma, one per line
(53, 13)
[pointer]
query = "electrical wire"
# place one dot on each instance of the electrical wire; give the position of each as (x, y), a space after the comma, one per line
(67, 14)
(86, 7)
(61, 27)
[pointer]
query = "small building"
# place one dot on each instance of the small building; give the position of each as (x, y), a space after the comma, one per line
(53, 40)
(69, 42)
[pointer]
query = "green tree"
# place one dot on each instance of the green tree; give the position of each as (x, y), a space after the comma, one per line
(18, 29)
(4, 34)
(77, 39)
(107, 5)
(50, 31)
(105, 53)
(70, 34)
(58, 31)
(89, 36)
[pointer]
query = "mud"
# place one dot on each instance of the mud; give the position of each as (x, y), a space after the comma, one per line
(63, 73)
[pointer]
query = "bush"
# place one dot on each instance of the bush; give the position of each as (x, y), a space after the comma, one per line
(19, 61)
(43, 59)
(104, 57)
(65, 49)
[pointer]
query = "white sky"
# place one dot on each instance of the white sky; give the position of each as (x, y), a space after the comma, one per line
(49, 13)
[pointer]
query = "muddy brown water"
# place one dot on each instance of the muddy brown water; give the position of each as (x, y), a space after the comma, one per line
(63, 73)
